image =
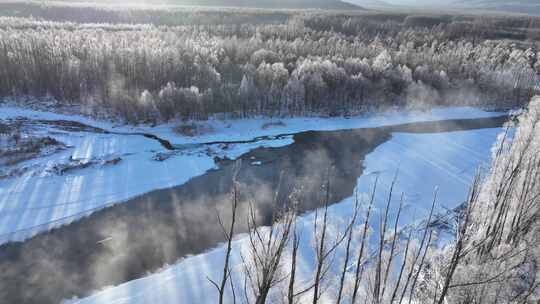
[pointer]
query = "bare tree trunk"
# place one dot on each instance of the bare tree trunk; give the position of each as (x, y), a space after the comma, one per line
(420, 265)
(393, 247)
(457, 254)
(378, 271)
(348, 249)
(402, 268)
(417, 255)
(292, 278)
(359, 268)
(267, 250)
(229, 237)
(321, 248)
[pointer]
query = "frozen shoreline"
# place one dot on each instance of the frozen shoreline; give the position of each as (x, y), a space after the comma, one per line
(38, 201)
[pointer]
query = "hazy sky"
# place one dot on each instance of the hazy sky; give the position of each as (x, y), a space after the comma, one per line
(407, 2)
(359, 2)
(420, 2)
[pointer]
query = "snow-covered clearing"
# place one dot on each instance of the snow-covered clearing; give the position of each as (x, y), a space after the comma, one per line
(425, 161)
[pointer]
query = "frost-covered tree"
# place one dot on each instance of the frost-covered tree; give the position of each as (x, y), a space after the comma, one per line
(382, 63)
(496, 255)
(247, 93)
(106, 67)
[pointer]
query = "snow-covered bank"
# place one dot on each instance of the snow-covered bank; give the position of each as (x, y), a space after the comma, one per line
(38, 200)
(425, 161)
(246, 129)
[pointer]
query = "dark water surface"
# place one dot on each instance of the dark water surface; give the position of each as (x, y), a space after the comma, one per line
(128, 240)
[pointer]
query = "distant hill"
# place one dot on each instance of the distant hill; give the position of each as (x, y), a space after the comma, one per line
(267, 4)
(369, 3)
(531, 7)
(276, 4)
(518, 6)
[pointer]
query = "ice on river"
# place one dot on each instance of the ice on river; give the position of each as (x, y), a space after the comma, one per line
(424, 162)
(38, 201)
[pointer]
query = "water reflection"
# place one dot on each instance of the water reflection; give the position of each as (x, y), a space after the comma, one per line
(128, 240)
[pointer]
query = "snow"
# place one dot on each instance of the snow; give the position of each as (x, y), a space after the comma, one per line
(425, 162)
(38, 201)
(246, 129)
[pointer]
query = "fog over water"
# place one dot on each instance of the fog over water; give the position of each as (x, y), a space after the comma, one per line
(129, 240)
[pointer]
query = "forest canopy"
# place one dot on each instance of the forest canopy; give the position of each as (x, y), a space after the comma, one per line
(152, 65)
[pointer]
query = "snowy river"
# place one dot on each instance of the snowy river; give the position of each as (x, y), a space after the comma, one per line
(124, 242)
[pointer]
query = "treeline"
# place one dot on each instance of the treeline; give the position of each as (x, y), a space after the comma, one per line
(475, 28)
(157, 73)
(372, 257)
(517, 27)
(117, 13)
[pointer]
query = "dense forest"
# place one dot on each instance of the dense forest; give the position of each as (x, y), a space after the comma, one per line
(286, 63)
